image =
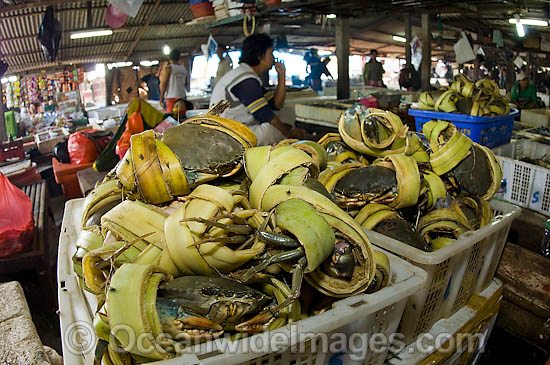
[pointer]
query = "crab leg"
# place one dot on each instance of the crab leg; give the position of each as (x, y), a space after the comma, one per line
(277, 258)
(258, 322)
(235, 228)
(231, 239)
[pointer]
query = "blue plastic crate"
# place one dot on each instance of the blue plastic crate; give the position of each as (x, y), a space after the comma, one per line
(487, 131)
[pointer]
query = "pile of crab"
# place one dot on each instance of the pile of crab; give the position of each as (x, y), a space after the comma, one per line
(197, 232)
(424, 191)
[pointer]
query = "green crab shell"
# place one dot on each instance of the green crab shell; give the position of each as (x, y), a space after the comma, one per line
(367, 182)
(204, 149)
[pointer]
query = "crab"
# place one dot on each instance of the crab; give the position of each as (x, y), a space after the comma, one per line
(202, 307)
(201, 149)
(367, 184)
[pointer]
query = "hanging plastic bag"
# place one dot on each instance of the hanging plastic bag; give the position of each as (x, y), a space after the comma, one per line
(49, 34)
(16, 222)
(130, 7)
(463, 50)
(85, 146)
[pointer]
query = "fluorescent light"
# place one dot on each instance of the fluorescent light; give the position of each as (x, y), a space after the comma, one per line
(520, 30)
(12, 78)
(398, 38)
(91, 33)
(118, 64)
(537, 22)
(525, 62)
(4, 80)
(166, 50)
(149, 63)
(434, 59)
(331, 16)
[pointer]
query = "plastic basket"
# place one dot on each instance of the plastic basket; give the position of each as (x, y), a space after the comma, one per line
(478, 320)
(525, 184)
(455, 272)
(304, 341)
(487, 131)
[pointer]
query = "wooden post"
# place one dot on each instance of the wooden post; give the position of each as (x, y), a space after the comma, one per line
(342, 53)
(3, 133)
(476, 62)
(510, 77)
(426, 66)
(408, 36)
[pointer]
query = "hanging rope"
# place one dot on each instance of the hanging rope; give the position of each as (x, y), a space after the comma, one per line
(247, 17)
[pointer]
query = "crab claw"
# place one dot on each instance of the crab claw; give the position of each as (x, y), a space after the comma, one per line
(256, 324)
(197, 327)
(184, 324)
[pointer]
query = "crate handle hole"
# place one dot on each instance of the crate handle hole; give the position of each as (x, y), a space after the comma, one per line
(358, 304)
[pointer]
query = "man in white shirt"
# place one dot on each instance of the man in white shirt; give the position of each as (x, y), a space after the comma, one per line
(173, 81)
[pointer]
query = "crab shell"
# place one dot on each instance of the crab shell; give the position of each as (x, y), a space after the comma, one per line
(394, 180)
(202, 149)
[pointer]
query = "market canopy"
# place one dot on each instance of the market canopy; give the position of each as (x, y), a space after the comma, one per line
(373, 24)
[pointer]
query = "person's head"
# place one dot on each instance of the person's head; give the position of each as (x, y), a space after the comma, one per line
(174, 55)
(257, 50)
(523, 80)
(373, 54)
(313, 51)
(154, 69)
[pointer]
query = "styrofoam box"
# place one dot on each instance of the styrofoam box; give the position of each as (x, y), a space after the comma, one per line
(455, 272)
(525, 184)
(452, 325)
(536, 117)
(321, 113)
(367, 313)
(46, 141)
(108, 112)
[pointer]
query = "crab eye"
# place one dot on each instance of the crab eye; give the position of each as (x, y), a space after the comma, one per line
(209, 291)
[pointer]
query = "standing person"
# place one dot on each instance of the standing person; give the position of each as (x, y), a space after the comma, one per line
(524, 95)
(225, 64)
(153, 83)
(173, 81)
(373, 71)
(250, 103)
(316, 68)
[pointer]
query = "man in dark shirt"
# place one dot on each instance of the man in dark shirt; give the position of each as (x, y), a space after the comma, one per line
(153, 82)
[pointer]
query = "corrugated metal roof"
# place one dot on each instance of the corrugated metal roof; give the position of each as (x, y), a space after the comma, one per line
(371, 23)
(22, 51)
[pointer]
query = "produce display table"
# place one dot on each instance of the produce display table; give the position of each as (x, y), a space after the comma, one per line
(37, 257)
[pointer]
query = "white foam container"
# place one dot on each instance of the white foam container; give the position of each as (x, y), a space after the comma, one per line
(455, 272)
(413, 353)
(525, 184)
(367, 313)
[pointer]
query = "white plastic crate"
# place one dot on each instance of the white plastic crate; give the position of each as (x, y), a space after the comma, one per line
(525, 184)
(419, 351)
(455, 272)
(368, 313)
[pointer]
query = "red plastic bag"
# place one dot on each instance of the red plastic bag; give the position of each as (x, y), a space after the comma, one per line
(16, 222)
(133, 126)
(85, 146)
